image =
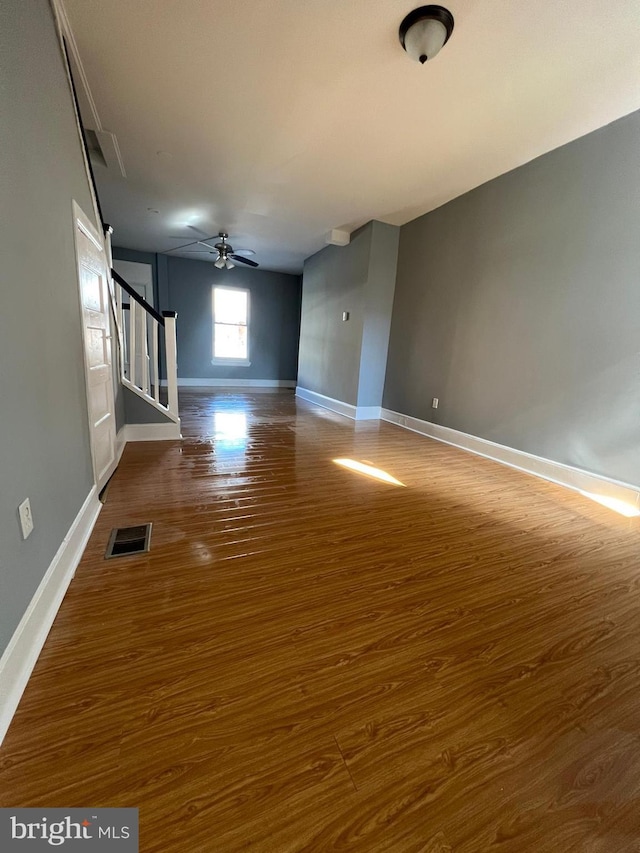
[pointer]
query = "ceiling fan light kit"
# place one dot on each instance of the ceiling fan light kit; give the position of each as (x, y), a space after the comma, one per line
(425, 31)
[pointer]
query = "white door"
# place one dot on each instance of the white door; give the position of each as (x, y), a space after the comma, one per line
(96, 328)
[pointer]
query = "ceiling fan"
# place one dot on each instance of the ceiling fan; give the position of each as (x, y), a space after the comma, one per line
(225, 252)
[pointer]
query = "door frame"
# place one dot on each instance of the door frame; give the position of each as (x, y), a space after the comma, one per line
(82, 222)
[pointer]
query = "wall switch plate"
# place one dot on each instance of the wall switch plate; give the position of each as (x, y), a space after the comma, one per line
(26, 519)
(345, 316)
(434, 403)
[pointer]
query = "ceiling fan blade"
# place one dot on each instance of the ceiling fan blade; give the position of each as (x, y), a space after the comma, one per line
(199, 252)
(244, 252)
(178, 248)
(199, 231)
(208, 245)
(244, 260)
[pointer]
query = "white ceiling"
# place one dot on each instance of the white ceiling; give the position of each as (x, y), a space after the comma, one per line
(278, 120)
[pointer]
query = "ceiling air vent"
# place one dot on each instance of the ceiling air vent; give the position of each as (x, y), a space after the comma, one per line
(125, 541)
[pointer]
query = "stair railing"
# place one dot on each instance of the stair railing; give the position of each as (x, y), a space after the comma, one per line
(141, 357)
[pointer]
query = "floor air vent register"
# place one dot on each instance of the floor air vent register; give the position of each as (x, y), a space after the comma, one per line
(125, 541)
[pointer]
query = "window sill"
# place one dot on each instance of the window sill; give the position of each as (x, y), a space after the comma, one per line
(231, 362)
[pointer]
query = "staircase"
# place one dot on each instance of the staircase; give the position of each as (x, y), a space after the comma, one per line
(147, 344)
(147, 340)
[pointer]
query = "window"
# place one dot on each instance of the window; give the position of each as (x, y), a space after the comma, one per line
(231, 325)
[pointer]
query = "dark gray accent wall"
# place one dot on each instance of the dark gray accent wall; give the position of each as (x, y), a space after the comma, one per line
(186, 286)
(518, 306)
(44, 435)
(346, 360)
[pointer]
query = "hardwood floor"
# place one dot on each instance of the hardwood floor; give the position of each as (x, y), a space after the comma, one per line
(312, 660)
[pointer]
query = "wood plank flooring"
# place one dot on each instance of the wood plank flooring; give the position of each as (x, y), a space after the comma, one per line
(312, 660)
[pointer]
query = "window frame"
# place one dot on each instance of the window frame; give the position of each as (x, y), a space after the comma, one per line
(220, 360)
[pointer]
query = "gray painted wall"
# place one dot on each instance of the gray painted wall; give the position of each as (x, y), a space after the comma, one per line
(138, 411)
(44, 448)
(346, 360)
(334, 281)
(381, 280)
(518, 305)
(118, 389)
(186, 286)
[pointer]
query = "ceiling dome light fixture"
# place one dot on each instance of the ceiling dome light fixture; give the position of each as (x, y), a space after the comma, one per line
(425, 31)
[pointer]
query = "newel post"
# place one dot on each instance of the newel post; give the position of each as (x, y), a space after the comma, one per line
(172, 359)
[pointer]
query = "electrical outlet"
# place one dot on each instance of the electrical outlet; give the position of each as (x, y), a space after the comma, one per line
(434, 403)
(26, 519)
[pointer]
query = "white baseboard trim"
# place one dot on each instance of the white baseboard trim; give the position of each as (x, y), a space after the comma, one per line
(169, 431)
(234, 383)
(368, 413)
(356, 413)
(592, 485)
(338, 406)
(21, 655)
